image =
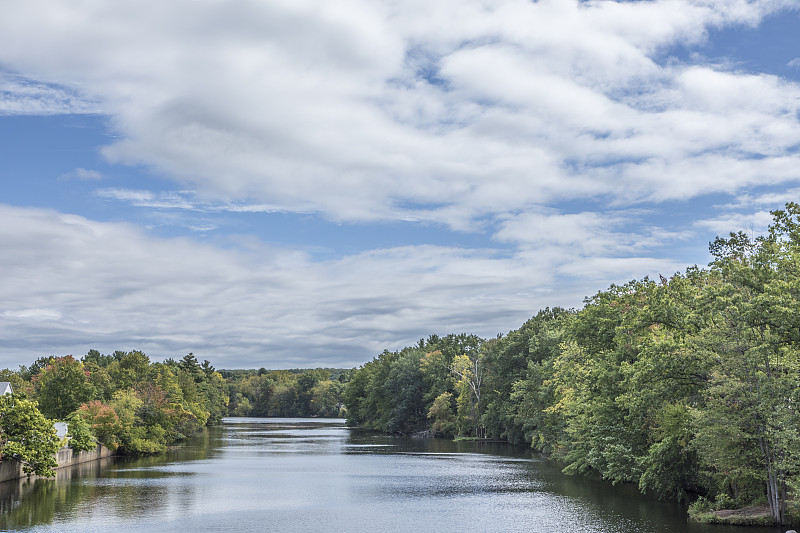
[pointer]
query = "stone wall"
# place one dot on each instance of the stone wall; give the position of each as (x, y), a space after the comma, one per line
(65, 457)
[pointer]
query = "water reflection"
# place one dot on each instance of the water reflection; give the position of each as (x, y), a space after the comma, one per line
(318, 475)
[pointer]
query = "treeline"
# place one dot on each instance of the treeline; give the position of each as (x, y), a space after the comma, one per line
(286, 393)
(122, 400)
(686, 385)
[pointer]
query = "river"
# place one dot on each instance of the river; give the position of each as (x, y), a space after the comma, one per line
(306, 475)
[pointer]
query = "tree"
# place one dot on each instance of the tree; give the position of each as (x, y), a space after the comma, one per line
(93, 356)
(257, 392)
(62, 387)
(441, 413)
(354, 396)
(37, 366)
(664, 375)
(753, 397)
(27, 436)
(191, 366)
(435, 368)
(690, 385)
(17, 383)
(103, 421)
(129, 368)
(81, 436)
(404, 390)
(518, 362)
(242, 407)
(470, 378)
(326, 398)
(304, 384)
(215, 396)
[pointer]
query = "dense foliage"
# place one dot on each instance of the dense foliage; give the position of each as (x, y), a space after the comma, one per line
(286, 393)
(26, 435)
(130, 404)
(121, 400)
(681, 385)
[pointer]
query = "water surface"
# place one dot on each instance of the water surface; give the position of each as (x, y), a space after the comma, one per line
(301, 475)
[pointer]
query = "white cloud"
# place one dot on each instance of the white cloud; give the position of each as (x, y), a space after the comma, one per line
(141, 198)
(19, 96)
(587, 233)
(594, 248)
(753, 223)
(473, 115)
(443, 111)
(778, 199)
(182, 200)
(82, 174)
(34, 314)
(70, 284)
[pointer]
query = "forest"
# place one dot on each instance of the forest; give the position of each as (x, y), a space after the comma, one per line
(135, 406)
(685, 385)
(286, 393)
(121, 400)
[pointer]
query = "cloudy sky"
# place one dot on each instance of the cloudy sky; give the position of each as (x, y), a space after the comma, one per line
(297, 183)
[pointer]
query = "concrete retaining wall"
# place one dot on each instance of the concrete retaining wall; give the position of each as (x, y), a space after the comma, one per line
(10, 470)
(65, 457)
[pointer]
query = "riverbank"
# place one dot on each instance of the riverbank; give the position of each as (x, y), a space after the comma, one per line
(756, 515)
(65, 457)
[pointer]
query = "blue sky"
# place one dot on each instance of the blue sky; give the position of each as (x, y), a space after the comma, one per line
(299, 184)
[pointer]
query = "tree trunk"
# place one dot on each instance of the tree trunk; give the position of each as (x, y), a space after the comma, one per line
(776, 491)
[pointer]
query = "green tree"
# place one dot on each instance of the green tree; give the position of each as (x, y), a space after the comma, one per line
(687, 385)
(243, 407)
(81, 437)
(27, 436)
(435, 368)
(403, 391)
(442, 416)
(191, 366)
(326, 398)
(27, 372)
(304, 384)
(516, 362)
(129, 368)
(469, 373)
(355, 396)
(62, 387)
(93, 356)
(257, 390)
(18, 384)
(215, 394)
(755, 342)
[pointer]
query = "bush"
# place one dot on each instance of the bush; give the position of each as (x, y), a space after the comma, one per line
(80, 434)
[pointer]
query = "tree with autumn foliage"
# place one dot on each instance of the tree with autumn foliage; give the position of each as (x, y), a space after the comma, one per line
(103, 422)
